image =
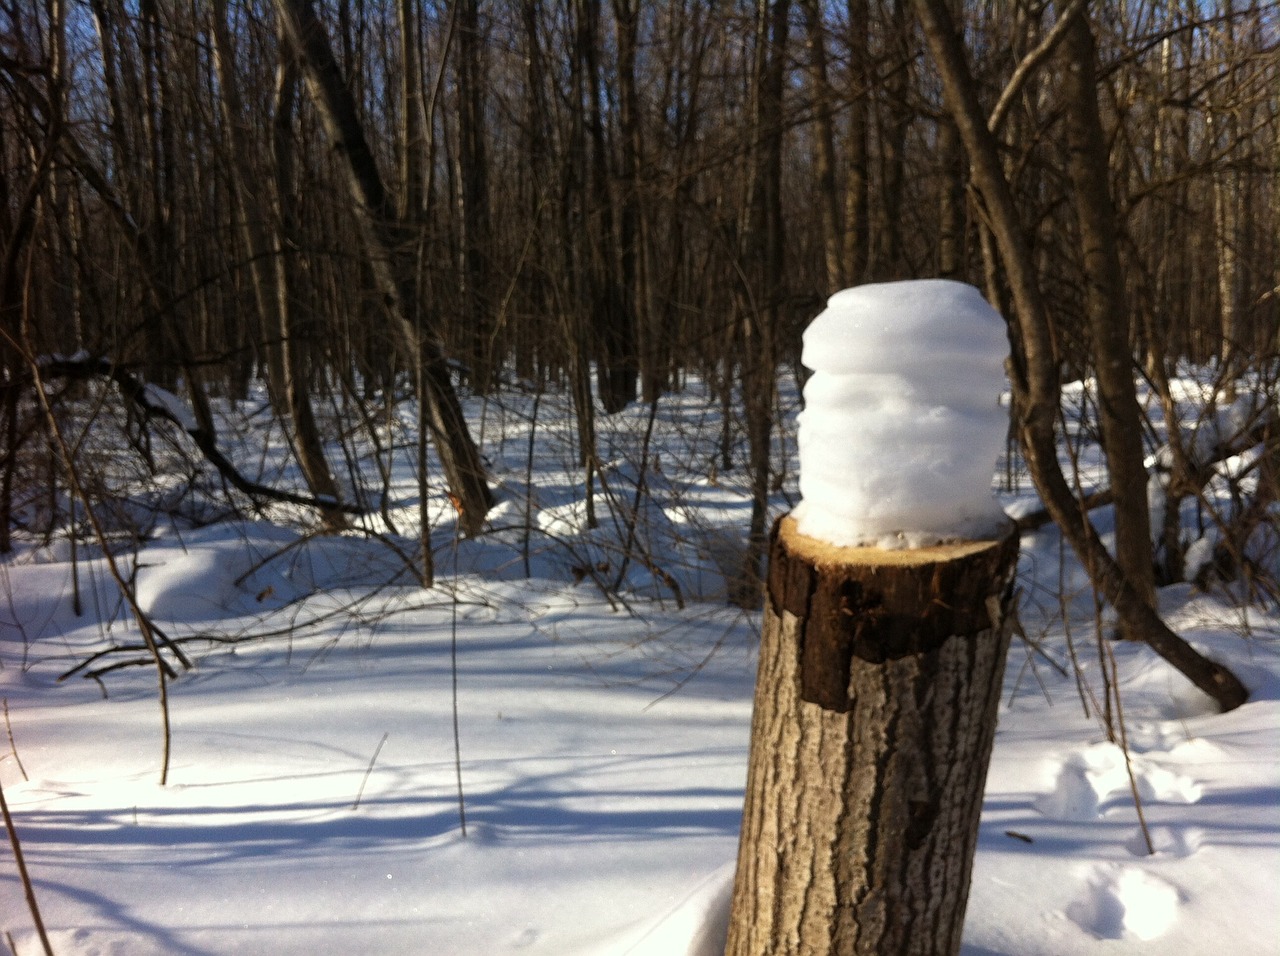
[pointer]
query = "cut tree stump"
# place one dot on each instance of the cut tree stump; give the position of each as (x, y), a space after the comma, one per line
(875, 709)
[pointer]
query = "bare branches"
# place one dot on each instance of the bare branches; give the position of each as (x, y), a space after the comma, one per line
(1028, 65)
(1036, 371)
(155, 402)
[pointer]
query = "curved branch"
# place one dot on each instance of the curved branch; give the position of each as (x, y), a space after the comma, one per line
(155, 402)
(1030, 63)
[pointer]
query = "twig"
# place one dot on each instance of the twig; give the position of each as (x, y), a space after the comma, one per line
(453, 669)
(12, 746)
(1124, 748)
(1036, 646)
(368, 770)
(24, 875)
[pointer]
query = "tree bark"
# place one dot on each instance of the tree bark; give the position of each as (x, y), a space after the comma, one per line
(1119, 416)
(459, 456)
(1034, 371)
(762, 255)
(858, 176)
(824, 157)
(889, 261)
(626, 16)
(875, 710)
(473, 195)
(952, 224)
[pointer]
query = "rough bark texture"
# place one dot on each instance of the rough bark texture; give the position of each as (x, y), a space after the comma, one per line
(875, 711)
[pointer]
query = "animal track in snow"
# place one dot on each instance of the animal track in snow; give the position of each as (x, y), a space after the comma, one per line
(1125, 901)
(1171, 841)
(1090, 777)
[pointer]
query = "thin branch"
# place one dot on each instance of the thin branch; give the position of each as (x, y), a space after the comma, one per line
(369, 770)
(1030, 63)
(146, 398)
(13, 748)
(23, 875)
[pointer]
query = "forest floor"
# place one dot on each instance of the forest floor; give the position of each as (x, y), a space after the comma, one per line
(587, 715)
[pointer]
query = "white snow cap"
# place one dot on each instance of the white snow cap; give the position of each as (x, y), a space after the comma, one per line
(902, 424)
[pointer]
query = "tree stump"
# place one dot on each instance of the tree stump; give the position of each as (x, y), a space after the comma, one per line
(875, 709)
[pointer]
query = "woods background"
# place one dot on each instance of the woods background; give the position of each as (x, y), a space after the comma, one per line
(356, 200)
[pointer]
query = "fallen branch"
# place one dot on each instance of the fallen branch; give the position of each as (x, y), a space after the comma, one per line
(155, 402)
(1202, 470)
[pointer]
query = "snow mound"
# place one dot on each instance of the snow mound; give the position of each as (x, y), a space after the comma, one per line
(697, 926)
(1125, 902)
(1088, 779)
(902, 424)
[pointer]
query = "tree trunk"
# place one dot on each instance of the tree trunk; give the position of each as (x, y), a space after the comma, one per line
(890, 255)
(762, 263)
(295, 364)
(626, 350)
(952, 223)
(612, 318)
(412, 147)
(1034, 372)
(858, 178)
(459, 456)
(473, 194)
(266, 241)
(1120, 418)
(824, 159)
(1227, 182)
(875, 710)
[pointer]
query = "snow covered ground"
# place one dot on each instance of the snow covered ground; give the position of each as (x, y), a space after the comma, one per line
(315, 798)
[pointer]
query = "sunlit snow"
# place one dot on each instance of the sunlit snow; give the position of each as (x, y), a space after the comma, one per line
(312, 806)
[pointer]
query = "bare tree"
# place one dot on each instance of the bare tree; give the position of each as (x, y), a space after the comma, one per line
(761, 288)
(1108, 318)
(472, 176)
(1035, 370)
(266, 241)
(461, 459)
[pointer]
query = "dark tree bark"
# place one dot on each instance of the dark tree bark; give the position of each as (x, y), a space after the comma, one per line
(835, 257)
(894, 122)
(858, 182)
(952, 223)
(622, 381)
(473, 177)
(612, 322)
(1119, 416)
(1034, 369)
(762, 256)
(459, 456)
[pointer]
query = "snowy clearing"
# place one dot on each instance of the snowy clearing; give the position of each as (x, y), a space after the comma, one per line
(313, 801)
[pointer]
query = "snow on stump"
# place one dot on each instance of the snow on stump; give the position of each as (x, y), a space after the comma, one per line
(887, 620)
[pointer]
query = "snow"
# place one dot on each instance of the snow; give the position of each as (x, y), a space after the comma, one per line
(171, 405)
(902, 427)
(602, 739)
